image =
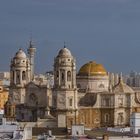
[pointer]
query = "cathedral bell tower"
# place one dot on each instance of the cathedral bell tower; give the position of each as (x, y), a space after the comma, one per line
(65, 91)
(20, 76)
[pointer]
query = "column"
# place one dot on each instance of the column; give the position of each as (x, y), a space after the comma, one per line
(20, 77)
(14, 77)
(65, 81)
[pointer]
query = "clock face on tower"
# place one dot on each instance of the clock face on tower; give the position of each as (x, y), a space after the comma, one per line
(61, 99)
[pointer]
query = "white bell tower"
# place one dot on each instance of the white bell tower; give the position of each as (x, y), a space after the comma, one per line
(65, 91)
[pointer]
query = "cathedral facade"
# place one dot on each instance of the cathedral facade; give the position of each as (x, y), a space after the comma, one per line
(28, 96)
(87, 97)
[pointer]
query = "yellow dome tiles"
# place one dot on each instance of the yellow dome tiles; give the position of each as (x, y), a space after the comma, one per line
(92, 69)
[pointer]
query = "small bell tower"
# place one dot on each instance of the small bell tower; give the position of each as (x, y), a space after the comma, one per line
(31, 52)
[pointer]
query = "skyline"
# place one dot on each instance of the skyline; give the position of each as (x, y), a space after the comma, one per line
(103, 31)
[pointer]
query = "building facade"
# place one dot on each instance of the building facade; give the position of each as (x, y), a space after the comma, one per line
(92, 96)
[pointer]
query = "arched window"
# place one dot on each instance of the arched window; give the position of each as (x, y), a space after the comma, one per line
(23, 75)
(68, 76)
(18, 77)
(101, 86)
(62, 76)
(120, 119)
(106, 118)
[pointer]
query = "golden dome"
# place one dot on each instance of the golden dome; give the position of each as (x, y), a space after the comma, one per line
(92, 69)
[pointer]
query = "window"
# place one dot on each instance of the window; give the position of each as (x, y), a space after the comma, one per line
(78, 85)
(62, 76)
(106, 118)
(68, 76)
(18, 77)
(71, 122)
(33, 99)
(22, 116)
(13, 110)
(120, 119)
(128, 100)
(23, 75)
(54, 101)
(70, 102)
(101, 86)
(106, 102)
(9, 111)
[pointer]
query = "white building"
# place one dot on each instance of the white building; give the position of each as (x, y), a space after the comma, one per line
(135, 123)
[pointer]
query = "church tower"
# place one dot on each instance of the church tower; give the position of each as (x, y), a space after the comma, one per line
(65, 91)
(20, 76)
(31, 52)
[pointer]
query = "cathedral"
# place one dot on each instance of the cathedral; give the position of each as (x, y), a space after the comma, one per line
(88, 97)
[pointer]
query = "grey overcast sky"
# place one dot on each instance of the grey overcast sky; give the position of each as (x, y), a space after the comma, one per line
(107, 31)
